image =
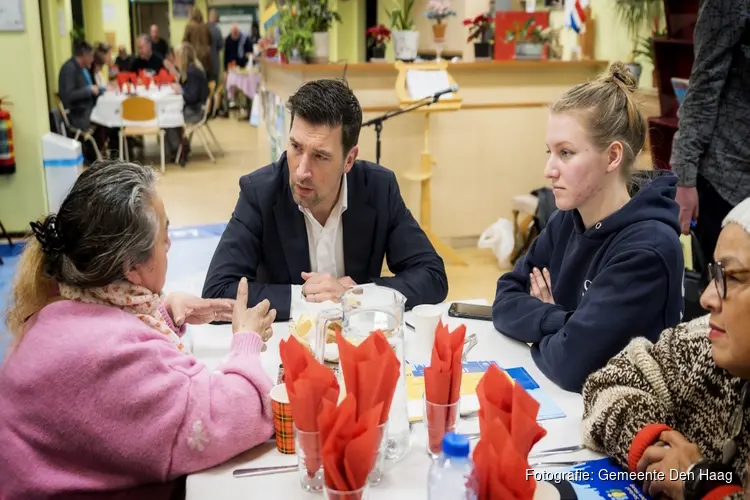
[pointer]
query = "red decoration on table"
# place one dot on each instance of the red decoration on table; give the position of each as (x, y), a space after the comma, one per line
(508, 430)
(309, 385)
(442, 382)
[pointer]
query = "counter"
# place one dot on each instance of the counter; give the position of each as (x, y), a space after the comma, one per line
(490, 150)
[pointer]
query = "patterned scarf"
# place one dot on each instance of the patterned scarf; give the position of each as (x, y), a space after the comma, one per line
(140, 301)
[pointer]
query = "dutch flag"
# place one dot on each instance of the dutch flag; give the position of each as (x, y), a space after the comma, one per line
(575, 17)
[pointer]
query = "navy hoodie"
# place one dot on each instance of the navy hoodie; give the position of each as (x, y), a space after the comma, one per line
(619, 279)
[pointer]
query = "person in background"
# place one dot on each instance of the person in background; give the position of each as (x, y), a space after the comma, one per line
(147, 60)
(710, 151)
(670, 406)
(98, 380)
(194, 89)
(236, 48)
(123, 60)
(254, 37)
(216, 45)
(98, 65)
(158, 44)
(319, 221)
(78, 91)
(609, 263)
(198, 34)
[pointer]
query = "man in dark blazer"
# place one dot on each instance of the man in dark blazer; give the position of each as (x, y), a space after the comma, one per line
(76, 86)
(320, 221)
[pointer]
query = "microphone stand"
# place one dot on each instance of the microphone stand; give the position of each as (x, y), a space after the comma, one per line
(378, 121)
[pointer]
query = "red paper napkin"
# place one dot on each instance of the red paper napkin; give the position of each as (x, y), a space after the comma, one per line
(371, 371)
(442, 383)
(508, 430)
(309, 384)
(349, 444)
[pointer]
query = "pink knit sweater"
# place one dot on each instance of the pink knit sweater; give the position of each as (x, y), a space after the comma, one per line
(93, 400)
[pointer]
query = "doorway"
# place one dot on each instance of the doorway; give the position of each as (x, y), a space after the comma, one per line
(371, 19)
(144, 14)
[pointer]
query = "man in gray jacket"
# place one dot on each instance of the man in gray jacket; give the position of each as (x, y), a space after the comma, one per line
(76, 86)
(217, 44)
(711, 150)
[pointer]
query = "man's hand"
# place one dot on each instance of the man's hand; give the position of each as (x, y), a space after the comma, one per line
(672, 453)
(186, 308)
(541, 285)
(687, 198)
(95, 89)
(321, 287)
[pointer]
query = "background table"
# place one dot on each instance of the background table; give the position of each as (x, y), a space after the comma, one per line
(405, 480)
(245, 80)
(107, 111)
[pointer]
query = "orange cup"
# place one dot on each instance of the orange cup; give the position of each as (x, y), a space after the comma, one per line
(282, 419)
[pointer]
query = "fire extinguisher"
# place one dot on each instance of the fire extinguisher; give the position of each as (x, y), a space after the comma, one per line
(7, 156)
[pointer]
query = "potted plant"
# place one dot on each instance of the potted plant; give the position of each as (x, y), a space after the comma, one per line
(405, 37)
(480, 32)
(377, 37)
(644, 49)
(529, 39)
(439, 11)
(636, 14)
(322, 18)
(295, 35)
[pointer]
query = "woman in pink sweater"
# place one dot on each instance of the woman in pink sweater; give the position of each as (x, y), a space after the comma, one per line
(99, 397)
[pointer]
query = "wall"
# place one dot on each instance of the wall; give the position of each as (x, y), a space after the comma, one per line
(177, 25)
(57, 21)
(93, 20)
(116, 19)
(348, 37)
(23, 195)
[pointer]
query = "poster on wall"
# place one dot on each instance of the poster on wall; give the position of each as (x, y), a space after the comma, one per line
(182, 8)
(11, 15)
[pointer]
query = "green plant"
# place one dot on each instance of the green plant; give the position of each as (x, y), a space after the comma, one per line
(401, 16)
(637, 14)
(77, 33)
(322, 17)
(295, 32)
(644, 46)
(529, 32)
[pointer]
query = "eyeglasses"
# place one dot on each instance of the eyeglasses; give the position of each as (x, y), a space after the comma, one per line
(718, 275)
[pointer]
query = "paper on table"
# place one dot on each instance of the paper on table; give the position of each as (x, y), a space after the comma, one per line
(424, 83)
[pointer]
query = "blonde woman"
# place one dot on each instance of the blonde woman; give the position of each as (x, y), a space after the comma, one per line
(194, 88)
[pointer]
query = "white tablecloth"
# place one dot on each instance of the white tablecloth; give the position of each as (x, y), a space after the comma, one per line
(108, 110)
(407, 480)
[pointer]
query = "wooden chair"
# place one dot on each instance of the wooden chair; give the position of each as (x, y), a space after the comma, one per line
(524, 231)
(200, 128)
(140, 109)
(78, 134)
(214, 98)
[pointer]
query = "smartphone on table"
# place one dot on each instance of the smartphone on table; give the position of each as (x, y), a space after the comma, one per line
(470, 311)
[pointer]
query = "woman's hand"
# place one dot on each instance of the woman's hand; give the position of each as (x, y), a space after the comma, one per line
(672, 454)
(541, 285)
(258, 319)
(186, 308)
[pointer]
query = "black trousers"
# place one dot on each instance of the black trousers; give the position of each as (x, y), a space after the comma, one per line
(712, 209)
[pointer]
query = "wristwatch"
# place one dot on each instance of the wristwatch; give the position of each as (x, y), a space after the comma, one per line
(704, 476)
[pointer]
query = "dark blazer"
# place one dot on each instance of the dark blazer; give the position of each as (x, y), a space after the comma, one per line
(266, 240)
(75, 93)
(195, 89)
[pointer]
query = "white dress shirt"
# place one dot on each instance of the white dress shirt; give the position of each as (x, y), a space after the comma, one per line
(325, 243)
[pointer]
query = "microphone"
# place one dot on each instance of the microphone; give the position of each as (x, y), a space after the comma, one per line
(452, 88)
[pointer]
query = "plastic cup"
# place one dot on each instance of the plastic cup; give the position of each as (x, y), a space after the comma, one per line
(282, 419)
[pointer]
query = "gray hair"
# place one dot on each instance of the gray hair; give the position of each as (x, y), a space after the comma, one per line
(106, 225)
(145, 39)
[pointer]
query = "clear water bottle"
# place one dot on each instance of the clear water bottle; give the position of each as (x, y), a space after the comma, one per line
(452, 474)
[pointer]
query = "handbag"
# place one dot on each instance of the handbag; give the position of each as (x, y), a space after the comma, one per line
(695, 282)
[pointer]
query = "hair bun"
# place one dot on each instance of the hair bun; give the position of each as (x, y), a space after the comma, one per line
(48, 235)
(621, 75)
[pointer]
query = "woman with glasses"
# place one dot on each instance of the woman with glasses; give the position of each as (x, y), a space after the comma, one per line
(675, 410)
